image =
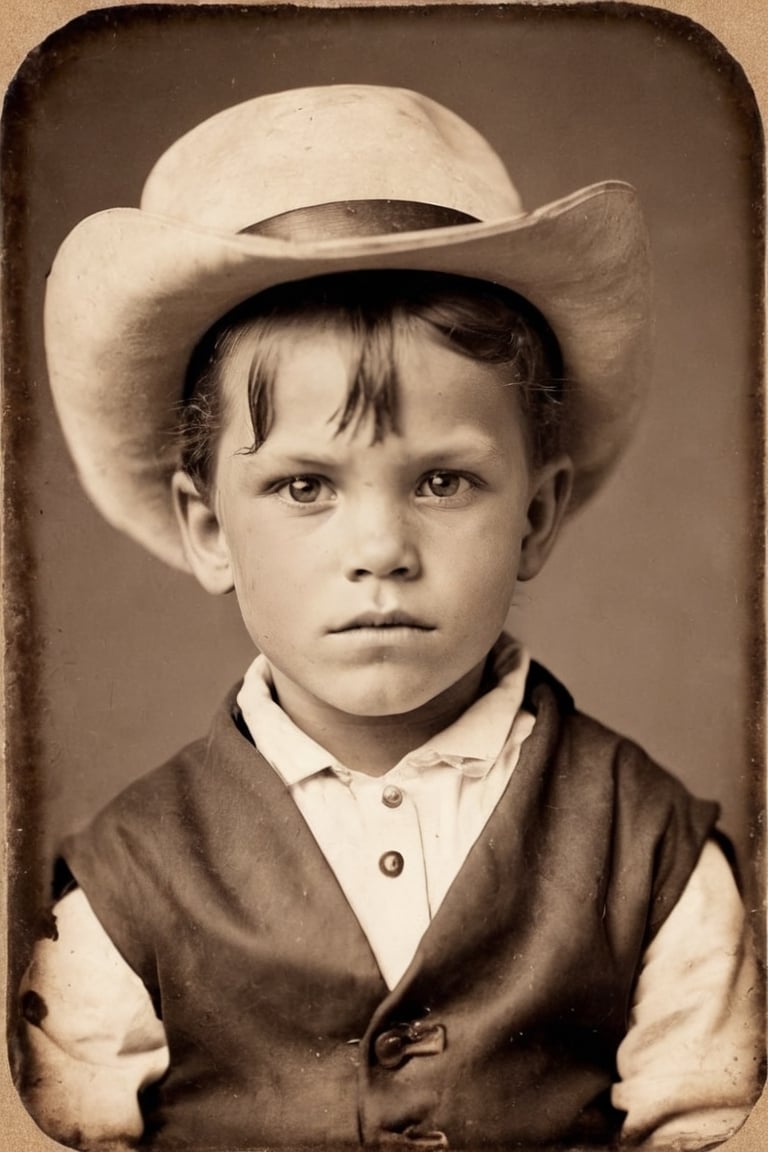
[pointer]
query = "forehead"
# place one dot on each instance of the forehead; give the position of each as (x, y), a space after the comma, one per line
(437, 389)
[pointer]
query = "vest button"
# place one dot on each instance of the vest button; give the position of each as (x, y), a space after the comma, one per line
(402, 1041)
(389, 1048)
(391, 864)
(392, 796)
(426, 1141)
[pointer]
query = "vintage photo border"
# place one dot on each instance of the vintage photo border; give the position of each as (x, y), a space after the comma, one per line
(739, 24)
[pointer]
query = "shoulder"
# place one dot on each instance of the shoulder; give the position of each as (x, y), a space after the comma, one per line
(188, 769)
(149, 850)
(652, 827)
(167, 804)
(599, 749)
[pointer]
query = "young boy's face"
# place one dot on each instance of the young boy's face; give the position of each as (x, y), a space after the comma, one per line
(375, 576)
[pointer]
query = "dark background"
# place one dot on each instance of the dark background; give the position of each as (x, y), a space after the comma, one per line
(649, 609)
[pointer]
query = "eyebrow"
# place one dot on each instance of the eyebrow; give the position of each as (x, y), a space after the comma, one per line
(288, 461)
(458, 448)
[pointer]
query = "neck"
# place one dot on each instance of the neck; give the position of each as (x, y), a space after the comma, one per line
(374, 744)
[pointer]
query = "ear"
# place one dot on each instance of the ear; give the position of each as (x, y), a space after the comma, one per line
(205, 545)
(550, 493)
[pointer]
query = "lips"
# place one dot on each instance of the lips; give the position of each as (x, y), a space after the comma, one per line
(383, 620)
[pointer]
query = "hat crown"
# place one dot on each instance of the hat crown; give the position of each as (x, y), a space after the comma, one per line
(309, 146)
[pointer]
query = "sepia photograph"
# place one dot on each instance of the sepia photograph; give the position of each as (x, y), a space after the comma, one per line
(383, 544)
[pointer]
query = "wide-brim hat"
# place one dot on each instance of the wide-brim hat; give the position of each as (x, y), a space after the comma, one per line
(304, 183)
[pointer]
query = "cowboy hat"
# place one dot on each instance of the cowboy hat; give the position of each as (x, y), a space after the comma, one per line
(304, 183)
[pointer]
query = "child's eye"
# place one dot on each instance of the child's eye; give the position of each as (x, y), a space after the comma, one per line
(444, 485)
(304, 490)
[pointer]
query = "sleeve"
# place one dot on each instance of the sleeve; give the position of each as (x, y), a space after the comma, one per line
(690, 1066)
(89, 1037)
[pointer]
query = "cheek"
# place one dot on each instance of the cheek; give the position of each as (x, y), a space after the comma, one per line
(276, 584)
(263, 586)
(488, 553)
(477, 587)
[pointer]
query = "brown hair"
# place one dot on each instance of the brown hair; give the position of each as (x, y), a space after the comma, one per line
(477, 318)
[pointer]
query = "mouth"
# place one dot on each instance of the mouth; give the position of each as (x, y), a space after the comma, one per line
(382, 621)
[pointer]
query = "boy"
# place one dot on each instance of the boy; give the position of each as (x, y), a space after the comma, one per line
(404, 895)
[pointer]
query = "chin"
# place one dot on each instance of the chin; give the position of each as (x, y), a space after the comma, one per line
(385, 693)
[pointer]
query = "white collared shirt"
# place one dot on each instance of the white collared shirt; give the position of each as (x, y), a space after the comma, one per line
(395, 842)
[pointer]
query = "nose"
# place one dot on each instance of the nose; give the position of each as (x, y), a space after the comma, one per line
(381, 543)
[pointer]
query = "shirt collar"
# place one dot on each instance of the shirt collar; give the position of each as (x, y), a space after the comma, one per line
(471, 744)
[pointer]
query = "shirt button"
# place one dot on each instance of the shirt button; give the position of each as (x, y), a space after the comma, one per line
(392, 796)
(391, 863)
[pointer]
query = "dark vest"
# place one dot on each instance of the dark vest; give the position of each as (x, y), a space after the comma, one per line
(282, 1032)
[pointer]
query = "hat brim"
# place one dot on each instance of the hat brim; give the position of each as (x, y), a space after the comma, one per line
(131, 293)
